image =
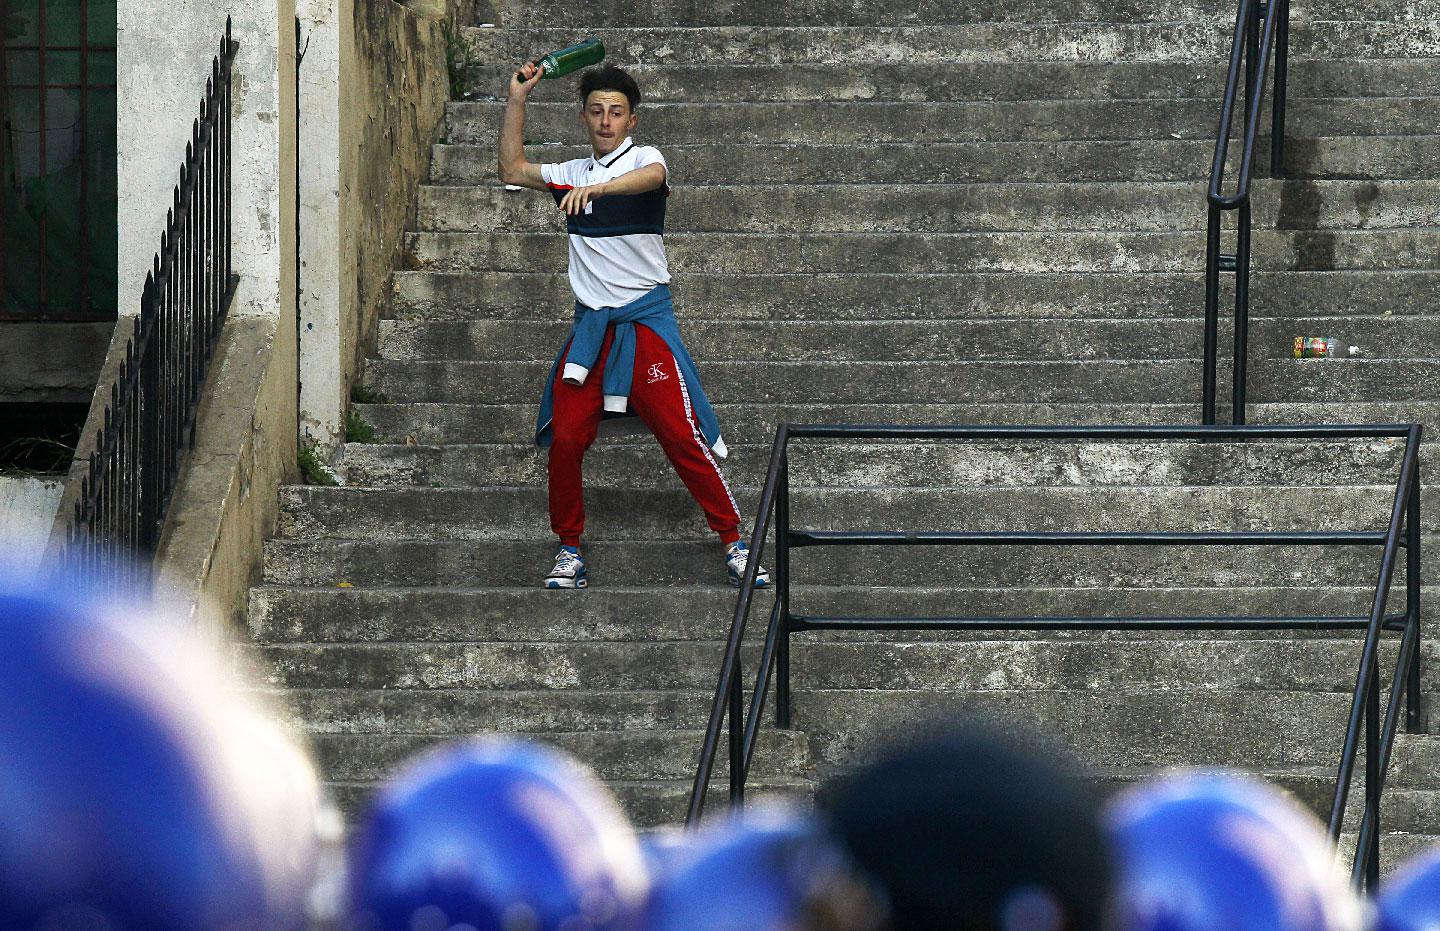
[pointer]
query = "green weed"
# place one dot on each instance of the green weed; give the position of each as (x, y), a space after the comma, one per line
(357, 430)
(462, 60)
(313, 467)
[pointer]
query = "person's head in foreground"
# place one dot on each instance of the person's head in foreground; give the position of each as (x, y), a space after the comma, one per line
(770, 870)
(1202, 851)
(495, 834)
(139, 787)
(966, 830)
(1410, 899)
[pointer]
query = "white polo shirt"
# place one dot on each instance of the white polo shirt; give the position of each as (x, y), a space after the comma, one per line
(617, 251)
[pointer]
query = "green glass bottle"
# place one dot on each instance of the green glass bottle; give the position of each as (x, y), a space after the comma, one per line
(558, 64)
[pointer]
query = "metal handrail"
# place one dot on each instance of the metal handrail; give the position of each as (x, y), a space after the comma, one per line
(1404, 513)
(1250, 53)
(1403, 531)
(150, 419)
(728, 689)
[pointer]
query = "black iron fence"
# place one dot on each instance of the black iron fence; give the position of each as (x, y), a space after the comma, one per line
(1401, 532)
(150, 419)
(1262, 29)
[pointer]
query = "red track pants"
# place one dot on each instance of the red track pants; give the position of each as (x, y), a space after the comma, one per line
(658, 395)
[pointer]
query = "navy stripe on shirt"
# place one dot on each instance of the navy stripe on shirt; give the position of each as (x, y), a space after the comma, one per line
(617, 214)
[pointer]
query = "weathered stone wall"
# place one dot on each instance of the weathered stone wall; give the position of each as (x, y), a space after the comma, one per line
(226, 502)
(402, 87)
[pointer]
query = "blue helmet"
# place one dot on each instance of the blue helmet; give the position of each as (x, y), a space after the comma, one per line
(138, 789)
(773, 872)
(1202, 851)
(1410, 899)
(665, 849)
(496, 834)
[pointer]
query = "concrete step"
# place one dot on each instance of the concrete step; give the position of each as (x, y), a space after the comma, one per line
(1348, 380)
(971, 42)
(471, 295)
(492, 667)
(1302, 241)
(485, 514)
(1147, 159)
(904, 340)
(755, 423)
(1085, 667)
(1416, 810)
(1126, 728)
(1396, 847)
(451, 711)
(549, 13)
(637, 462)
(1415, 762)
(1171, 380)
(671, 80)
(612, 755)
(850, 123)
(1315, 205)
(1332, 583)
(691, 561)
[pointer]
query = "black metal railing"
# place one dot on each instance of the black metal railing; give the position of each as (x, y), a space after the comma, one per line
(1403, 530)
(150, 420)
(1251, 52)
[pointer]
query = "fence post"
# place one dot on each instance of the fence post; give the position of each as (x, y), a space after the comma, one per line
(782, 590)
(1280, 9)
(1412, 602)
(1212, 316)
(1242, 314)
(1372, 777)
(737, 737)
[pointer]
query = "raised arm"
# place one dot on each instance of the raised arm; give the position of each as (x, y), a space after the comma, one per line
(514, 169)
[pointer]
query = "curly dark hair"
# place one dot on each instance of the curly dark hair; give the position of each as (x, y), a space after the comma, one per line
(609, 77)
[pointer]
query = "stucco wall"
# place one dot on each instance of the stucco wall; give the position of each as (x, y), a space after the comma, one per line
(163, 57)
(366, 146)
(27, 508)
(245, 434)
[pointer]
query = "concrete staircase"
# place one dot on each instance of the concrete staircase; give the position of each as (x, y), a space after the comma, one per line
(923, 212)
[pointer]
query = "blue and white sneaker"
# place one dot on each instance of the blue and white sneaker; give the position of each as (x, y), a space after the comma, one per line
(569, 571)
(737, 558)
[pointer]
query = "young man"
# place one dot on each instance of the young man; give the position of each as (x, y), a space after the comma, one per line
(624, 355)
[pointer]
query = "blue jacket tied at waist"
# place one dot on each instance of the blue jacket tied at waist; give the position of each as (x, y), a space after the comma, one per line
(582, 347)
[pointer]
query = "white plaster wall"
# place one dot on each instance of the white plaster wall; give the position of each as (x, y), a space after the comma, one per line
(27, 510)
(328, 295)
(163, 58)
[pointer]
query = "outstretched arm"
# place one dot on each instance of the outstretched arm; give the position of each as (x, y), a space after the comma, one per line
(514, 169)
(638, 181)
